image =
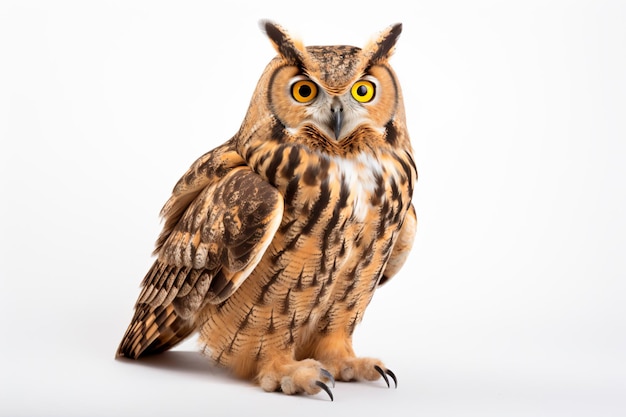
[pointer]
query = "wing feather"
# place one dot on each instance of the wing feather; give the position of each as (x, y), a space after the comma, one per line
(218, 223)
(402, 247)
(230, 218)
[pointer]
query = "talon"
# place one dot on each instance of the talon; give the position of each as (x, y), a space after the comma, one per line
(328, 375)
(393, 376)
(325, 388)
(382, 373)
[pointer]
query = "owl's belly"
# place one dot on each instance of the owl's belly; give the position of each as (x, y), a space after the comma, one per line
(306, 285)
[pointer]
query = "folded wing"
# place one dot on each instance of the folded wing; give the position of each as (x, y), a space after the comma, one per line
(220, 220)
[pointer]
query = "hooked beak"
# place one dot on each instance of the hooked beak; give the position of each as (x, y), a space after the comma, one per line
(336, 118)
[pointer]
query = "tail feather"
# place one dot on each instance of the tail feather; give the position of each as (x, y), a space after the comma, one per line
(154, 330)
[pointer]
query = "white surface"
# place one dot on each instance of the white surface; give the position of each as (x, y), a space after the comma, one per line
(513, 302)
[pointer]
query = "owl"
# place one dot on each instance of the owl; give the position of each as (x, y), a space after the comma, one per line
(274, 242)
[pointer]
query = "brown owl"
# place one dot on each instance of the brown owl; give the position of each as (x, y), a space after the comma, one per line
(274, 242)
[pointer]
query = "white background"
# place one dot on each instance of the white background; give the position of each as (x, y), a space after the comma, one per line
(513, 301)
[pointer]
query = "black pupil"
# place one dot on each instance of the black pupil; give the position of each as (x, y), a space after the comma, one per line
(361, 90)
(304, 90)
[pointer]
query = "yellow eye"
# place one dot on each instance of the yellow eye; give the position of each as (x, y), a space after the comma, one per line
(363, 91)
(304, 91)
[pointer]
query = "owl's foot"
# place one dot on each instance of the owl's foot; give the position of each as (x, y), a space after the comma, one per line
(359, 369)
(293, 377)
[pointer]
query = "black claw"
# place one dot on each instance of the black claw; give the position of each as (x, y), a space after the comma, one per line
(382, 373)
(325, 388)
(393, 376)
(328, 375)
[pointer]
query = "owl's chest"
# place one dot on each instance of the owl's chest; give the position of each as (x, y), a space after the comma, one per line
(362, 180)
(342, 191)
(338, 212)
(341, 216)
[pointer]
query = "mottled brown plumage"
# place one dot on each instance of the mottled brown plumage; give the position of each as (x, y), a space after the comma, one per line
(275, 242)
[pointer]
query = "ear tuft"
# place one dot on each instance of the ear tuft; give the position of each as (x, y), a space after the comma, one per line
(382, 47)
(292, 51)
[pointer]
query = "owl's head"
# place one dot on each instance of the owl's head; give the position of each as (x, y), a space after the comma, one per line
(333, 98)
